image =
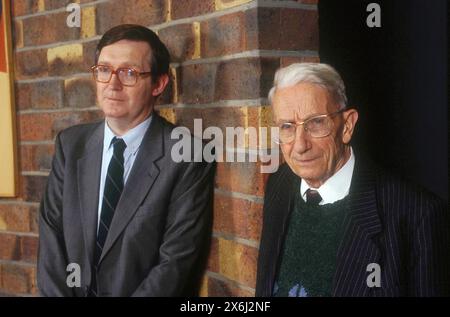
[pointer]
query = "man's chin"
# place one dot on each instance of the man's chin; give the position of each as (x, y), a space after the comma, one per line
(113, 115)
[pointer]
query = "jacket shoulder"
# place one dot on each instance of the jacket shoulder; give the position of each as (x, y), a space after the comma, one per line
(275, 179)
(79, 131)
(392, 186)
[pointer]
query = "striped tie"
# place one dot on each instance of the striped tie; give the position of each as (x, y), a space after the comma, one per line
(111, 194)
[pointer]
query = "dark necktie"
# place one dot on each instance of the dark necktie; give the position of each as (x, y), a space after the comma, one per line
(313, 197)
(111, 195)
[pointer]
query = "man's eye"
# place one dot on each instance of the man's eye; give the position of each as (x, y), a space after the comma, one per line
(103, 69)
(127, 72)
(286, 126)
(317, 122)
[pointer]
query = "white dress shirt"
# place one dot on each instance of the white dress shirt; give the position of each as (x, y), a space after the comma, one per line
(337, 186)
(132, 139)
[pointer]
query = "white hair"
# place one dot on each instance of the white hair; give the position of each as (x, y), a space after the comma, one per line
(314, 73)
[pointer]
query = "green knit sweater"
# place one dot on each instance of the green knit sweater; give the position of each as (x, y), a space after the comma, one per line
(309, 256)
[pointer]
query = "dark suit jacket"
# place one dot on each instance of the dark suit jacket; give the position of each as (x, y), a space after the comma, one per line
(161, 226)
(401, 227)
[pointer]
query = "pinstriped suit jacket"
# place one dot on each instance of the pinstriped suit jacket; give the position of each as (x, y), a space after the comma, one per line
(399, 226)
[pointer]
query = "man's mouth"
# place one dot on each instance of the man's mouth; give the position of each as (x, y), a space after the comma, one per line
(114, 99)
(304, 161)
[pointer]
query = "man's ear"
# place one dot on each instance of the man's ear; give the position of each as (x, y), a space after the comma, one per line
(160, 85)
(350, 119)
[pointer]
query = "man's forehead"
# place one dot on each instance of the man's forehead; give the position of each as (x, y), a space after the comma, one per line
(302, 91)
(125, 52)
(302, 100)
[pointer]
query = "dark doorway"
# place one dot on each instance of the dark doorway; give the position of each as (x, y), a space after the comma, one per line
(396, 76)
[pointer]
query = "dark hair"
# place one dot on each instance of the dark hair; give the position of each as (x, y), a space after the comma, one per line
(160, 58)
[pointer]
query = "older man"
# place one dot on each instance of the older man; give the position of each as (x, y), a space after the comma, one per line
(334, 223)
(119, 214)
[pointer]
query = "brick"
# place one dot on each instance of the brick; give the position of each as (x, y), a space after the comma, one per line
(24, 7)
(89, 49)
(45, 126)
(80, 92)
(308, 1)
(9, 247)
(18, 279)
(225, 4)
(245, 78)
(219, 288)
(180, 41)
(238, 217)
(233, 260)
(252, 119)
(33, 187)
(34, 220)
(36, 157)
(31, 64)
(190, 8)
(197, 83)
(251, 29)
(286, 61)
(88, 27)
(170, 94)
(114, 12)
(288, 29)
(65, 59)
(268, 21)
(17, 34)
(261, 118)
(212, 117)
(300, 29)
(55, 26)
(18, 248)
(18, 218)
(29, 248)
(268, 68)
(242, 177)
(203, 286)
(168, 114)
(71, 118)
(223, 35)
(58, 4)
(22, 95)
(38, 127)
(236, 77)
(71, 59)
(40, 95)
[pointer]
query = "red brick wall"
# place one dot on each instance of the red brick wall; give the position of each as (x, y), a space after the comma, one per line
(224, 54)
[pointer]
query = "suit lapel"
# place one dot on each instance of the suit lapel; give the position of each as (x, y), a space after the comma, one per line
(143, 174)
(359, 246)
(88, 173)
(281, 206)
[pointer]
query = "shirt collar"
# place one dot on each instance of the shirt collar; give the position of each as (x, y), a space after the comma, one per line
(132, 138)
(337, 186)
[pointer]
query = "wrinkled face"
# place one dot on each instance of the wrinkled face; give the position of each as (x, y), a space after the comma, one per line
(313, 159)
(123, 104)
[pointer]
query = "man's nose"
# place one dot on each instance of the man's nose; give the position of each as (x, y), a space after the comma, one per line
(115, 82)
(301, 141)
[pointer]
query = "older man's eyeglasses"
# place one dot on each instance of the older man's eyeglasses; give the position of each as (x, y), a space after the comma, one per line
(317, 127)
(127, 76)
